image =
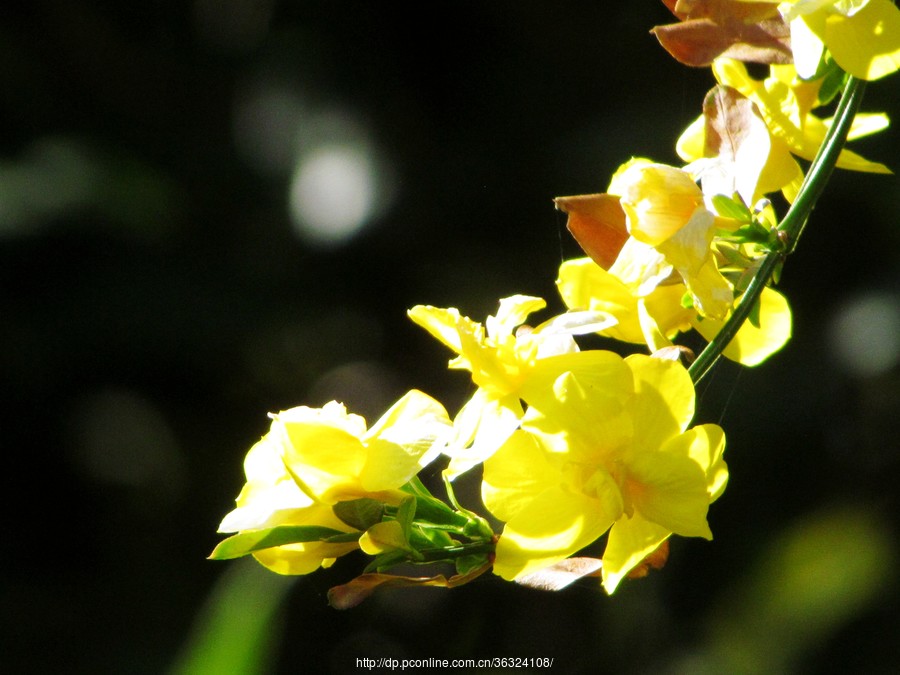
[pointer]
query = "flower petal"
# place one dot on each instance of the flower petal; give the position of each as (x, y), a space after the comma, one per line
(550, 528)
(515, 474)
(406, 438)
(663, 404)
(867, 44)
(751, 346)
(669, 490)
(630, 541)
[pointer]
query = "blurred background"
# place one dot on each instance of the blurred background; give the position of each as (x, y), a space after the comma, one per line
(210, 210)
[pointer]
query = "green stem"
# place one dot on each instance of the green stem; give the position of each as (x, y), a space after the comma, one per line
(792, 224)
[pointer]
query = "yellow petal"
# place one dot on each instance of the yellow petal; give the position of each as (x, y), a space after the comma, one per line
(406, 438)
(483, 424)
(641, 267)
(663, 404)
(751, 346)
(515, 474)
(705, 445)
(307, 557)
(658, 200)
(630, 541)
(807, 43)
(669, 490)
(583, 284)
(585, 414)
(553, 526)
(867, 44)
(383, 537)
(443, 324)
(691, 143)
(654, 336)
(865, 124)
(512, 313)
(322, 459)
(302, 558)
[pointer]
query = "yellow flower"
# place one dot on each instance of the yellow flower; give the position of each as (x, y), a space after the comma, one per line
(608, 449)
(656, 319)
(505, 358)
(671, 229)
(784, 102)
(658, 200)
(863, 36)
(312, 458)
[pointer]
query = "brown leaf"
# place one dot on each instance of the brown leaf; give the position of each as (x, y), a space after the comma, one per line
(356, 590)
(729, 116)
(736, 135)
(598, 224)
(558, 576)
(722, 11)
(747, 31)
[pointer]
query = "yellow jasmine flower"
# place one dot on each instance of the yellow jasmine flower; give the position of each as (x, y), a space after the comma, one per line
(656, 318)
(333, 458)
(504, 358)
(784, 102)
(271, 498)
(312, 458)
(658, 200)
(863, 36)
(671, 229)
(606, 450)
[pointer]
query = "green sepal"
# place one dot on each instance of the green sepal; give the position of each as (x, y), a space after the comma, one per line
(732, 207)
(430, 537)
(255, 540)
(436, 512)
(753, 317)
(416, 488)
(359, 514)
(751, 233)
(468, 563)
(832, 76)
(776, 273)
(387, 560)
(406, 512)
(687, 300)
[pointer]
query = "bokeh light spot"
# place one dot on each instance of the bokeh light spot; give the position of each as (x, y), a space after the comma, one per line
(333, 193)
(864, 334)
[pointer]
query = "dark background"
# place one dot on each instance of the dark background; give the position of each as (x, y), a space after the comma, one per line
(158, 298)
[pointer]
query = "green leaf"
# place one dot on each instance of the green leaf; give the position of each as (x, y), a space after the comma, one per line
(360, 514)
(255, 540)
(729, 207)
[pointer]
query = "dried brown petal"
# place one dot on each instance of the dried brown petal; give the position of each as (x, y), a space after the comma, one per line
(655, 560)
(558, 576)
(747, 31)
(356, 590)
(598, 224)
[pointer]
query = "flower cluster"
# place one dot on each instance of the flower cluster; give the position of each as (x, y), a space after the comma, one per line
(580, 445)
